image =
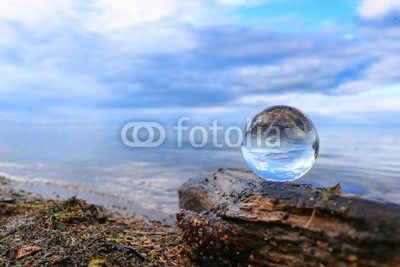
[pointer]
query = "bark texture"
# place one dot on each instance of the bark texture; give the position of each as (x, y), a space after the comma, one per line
(233, 218)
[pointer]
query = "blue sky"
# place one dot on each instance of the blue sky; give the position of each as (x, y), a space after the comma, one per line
(106, 61)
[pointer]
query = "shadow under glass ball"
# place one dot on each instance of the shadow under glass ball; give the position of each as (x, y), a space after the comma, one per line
(280, 143)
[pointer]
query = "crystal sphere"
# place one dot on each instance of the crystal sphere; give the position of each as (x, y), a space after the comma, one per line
(280, 143)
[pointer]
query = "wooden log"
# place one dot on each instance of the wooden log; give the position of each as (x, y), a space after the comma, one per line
(233, 218)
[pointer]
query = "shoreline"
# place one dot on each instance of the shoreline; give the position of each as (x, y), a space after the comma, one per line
(52, 189)
(38, 231)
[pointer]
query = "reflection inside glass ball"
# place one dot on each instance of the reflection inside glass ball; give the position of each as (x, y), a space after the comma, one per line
(280, 143)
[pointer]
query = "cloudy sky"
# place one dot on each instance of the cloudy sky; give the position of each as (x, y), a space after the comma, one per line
(114, 61)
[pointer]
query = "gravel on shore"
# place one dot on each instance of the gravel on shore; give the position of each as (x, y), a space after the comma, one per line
(35, 231)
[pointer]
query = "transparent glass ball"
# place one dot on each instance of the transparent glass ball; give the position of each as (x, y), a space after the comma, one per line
(280, 143)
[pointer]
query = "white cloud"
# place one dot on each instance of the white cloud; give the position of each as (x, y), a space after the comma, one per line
(106, 15)
(375, 9)
(311, 72)
(132, 25)
(38, 12)
(379, 100)
(111, 15)
(98, 15)
(240, 2)
(287, 73)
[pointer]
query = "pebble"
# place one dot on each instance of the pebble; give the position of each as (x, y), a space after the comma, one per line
(7, 200)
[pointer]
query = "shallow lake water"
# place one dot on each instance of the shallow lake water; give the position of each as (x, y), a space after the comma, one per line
(93, 162)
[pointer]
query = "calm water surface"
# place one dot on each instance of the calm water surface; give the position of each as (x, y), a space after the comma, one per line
(93, 162)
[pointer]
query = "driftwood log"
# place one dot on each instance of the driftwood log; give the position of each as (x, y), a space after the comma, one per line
(234, 218)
